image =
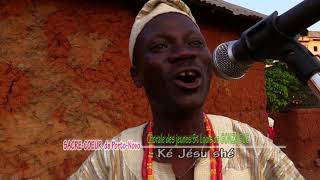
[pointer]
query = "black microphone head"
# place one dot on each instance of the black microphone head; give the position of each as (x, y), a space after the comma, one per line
(224, 63)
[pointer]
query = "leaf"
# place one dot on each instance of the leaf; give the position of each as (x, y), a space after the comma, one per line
(281, 86)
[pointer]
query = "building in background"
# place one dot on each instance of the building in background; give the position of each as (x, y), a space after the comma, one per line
(311, 40)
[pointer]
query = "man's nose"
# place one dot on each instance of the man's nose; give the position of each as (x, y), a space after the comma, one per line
(181, 54)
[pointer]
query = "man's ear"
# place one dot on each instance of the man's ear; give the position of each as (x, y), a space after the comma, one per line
(137, 80)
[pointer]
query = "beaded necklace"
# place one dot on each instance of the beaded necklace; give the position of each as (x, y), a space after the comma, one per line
(215, 163)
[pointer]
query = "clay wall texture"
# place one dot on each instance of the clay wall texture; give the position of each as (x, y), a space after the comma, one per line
(299, 130)
(64, 74)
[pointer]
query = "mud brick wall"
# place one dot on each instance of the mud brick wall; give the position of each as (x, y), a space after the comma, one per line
(64, 74)
(299, 130)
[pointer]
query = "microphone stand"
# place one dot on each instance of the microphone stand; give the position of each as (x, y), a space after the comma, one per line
(296, 20)
(305, 65)
(314, 84)
(274, 38)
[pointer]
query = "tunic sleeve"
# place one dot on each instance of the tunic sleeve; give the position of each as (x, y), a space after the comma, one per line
(267, 160)
(94, 167)
(275, 164)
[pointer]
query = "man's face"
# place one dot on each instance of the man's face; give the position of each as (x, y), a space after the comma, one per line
(173, 63)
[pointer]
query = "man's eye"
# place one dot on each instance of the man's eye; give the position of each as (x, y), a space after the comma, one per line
(158, 47)
(196, 44)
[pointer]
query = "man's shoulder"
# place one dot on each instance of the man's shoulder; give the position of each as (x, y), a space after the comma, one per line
(132, 133)
(219, 119)
(220, 124)
(122, 156)
(225, 123)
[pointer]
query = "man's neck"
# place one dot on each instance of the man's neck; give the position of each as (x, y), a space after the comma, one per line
(179, 123)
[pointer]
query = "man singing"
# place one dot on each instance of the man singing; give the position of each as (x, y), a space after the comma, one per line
(172, 63)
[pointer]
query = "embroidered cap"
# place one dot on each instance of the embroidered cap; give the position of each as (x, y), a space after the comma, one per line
(152, 9)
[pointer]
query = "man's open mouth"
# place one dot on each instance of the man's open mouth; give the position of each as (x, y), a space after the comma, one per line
(188, 79)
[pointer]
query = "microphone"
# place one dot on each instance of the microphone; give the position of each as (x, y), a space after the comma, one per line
(273, 38)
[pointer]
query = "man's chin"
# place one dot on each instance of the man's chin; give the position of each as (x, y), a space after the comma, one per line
(189, 104)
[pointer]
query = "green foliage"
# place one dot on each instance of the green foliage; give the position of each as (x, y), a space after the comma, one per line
(282, 86)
